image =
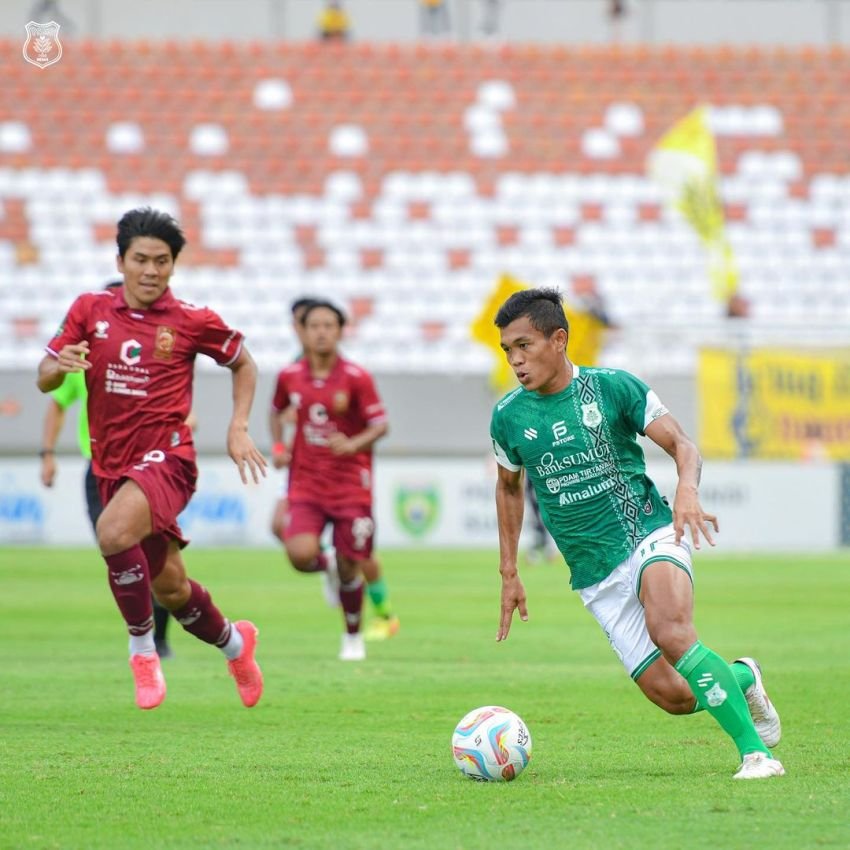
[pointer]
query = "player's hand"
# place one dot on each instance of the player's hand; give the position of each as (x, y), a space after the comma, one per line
(72, 358)
(48, 470)
(244, 454)
(688, 513)
(281, 459)
(513, 597)
(339, 444)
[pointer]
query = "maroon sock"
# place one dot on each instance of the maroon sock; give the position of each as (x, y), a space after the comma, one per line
(130, 583)
(351, 600)
(200, 617)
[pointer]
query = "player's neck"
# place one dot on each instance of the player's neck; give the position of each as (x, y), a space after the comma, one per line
(560, 380)
(321, 365)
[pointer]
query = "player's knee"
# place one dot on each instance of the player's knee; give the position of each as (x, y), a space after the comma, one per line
(112, 537)
(174, 595)
(673, 638)
(302, 558)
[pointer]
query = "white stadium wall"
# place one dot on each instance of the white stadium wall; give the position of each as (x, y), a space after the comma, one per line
(433, 503)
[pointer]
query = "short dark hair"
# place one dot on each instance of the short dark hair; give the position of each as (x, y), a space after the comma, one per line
(318, 302)
(145, 221)
(114, 284)
(544, 309)
(300, 303)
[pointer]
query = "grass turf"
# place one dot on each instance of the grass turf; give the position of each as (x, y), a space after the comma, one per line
(358, 755)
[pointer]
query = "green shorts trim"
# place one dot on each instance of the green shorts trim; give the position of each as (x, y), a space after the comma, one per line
(641, 668)
(654, 560)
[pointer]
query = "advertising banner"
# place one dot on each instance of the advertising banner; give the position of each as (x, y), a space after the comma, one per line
(774, 404)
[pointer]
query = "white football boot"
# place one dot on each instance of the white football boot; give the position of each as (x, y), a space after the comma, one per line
(764, 714)
(353, 648)
(759, 766)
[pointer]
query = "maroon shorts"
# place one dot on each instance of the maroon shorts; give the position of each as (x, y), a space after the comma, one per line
(168, 482)
(353, 526)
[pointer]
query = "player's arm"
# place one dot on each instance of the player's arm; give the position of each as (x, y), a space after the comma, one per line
(510, 504)
(339, 444)
(240, 446)
(54, 419)
(282, 425)
(666, 432)
(53, 368)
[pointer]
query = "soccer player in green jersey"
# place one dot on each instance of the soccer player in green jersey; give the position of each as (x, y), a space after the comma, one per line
(573, 430)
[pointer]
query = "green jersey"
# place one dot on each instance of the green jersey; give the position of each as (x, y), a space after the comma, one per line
(71, 390)
(579, 449)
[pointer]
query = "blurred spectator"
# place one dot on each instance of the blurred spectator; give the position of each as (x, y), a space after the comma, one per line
(45, 11)
(617, 12)
(434, 17)
(490, 20)
(334, 23)
(737, 307)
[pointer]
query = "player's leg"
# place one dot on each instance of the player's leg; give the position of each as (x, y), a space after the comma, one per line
(193, 607)
(278, 515)
(353, 532)
(303, 525)
(666, 593)
(123, 524)
(386, 623)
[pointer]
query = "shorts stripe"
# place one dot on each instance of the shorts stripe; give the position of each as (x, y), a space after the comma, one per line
(641, 668)
(656, 559)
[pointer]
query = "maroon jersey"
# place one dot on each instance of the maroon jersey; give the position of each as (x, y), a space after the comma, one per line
(346, 401)
(142, 364)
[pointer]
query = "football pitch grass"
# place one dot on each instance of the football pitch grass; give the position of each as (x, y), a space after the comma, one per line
(358, 755)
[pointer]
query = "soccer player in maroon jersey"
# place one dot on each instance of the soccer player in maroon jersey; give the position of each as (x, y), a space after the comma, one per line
(339, 418)
(137, 348)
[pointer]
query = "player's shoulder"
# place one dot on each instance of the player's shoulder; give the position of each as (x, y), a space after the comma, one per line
(353, 370)
(292, 369)
(93, 300)
(514, 397)
(607, 375)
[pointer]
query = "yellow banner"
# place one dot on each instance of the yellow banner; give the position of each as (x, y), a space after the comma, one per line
(483, 330)
(775, 404)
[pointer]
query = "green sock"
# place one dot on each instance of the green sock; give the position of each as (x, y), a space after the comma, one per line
(380, 597)
(743, 676)
(716, 688)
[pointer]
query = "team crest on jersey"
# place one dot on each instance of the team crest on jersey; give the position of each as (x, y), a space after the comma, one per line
(590, 415)
(417, 508)
(339, 403)
(164, 345)
(42, 47)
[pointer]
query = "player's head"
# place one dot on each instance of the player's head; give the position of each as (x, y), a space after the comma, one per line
(298, 307)
(323, 323)
(534, 333)
(149, 242)
(113, 285)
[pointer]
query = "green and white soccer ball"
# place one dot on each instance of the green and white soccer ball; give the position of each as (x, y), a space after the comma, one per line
(491, 744)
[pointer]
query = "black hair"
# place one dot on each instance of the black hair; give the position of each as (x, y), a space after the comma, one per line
(318, 302)
(544, 309)
(301, 302)
(145, 221)
(113, 284)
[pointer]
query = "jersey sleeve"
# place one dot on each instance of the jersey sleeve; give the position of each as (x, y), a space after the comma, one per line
(369, 401)
(505, 455)
(70, 390)
(281, 398)
(639, 403)
(218, 340)
(72, 330)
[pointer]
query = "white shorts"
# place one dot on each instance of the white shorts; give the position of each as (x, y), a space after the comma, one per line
(615, 601)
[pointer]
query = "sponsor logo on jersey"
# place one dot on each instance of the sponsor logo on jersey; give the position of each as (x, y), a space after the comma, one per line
(559, 434)
(101, 330)
(131, 352)
(164, 342)
(339, 403)
(530, 433)
(588, 493)
(590, 415)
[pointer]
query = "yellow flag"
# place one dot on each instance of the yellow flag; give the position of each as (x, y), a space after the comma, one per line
(586, 336)
(484, 331)
(684, 164)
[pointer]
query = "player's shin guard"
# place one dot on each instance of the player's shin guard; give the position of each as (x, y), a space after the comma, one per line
(714, 685)
(129, 580)
(200, 617)
(351, 601)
